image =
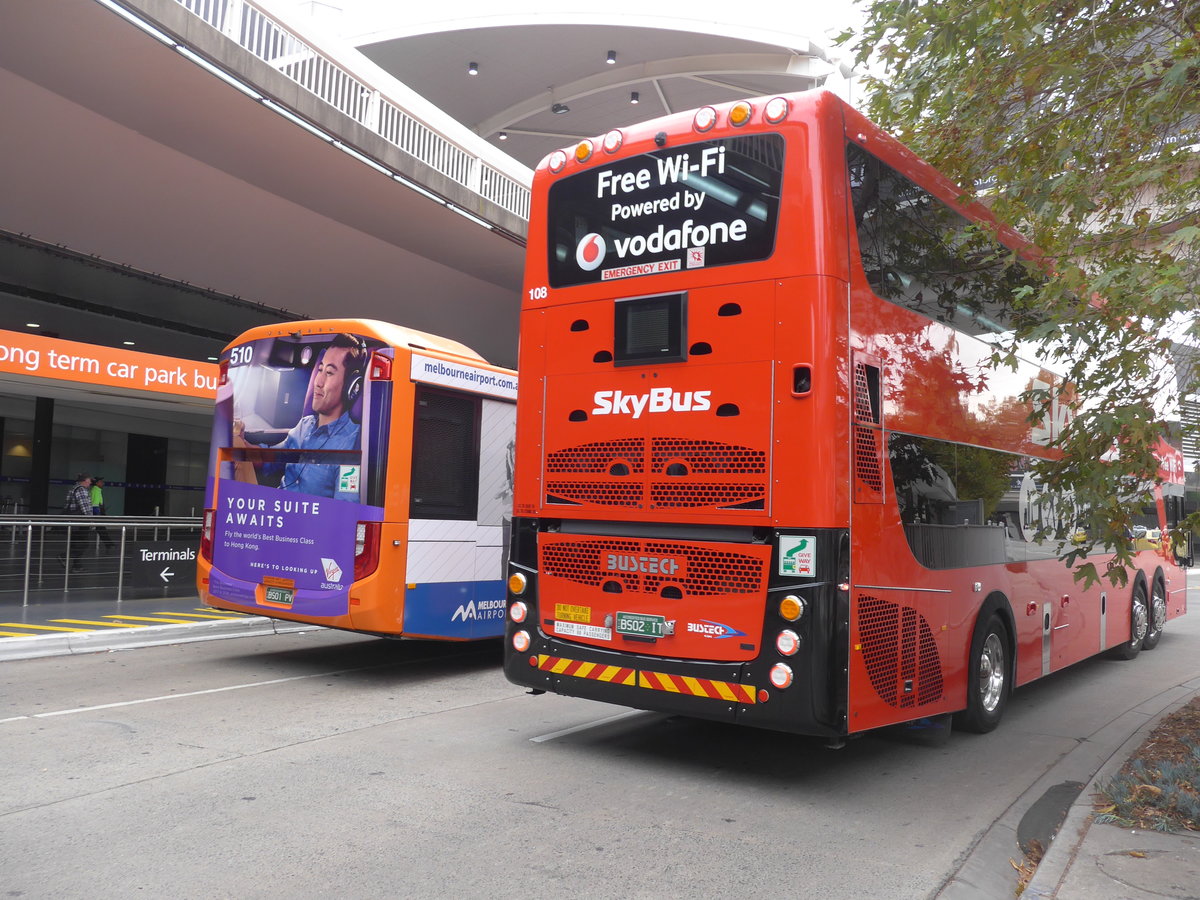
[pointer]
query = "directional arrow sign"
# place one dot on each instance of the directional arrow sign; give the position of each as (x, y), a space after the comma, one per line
(168, 566)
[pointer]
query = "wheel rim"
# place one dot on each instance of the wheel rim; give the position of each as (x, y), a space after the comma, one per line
(1140, 619)
(991, 672)
(1158, 609)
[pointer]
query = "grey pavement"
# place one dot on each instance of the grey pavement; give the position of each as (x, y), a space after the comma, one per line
(1098, 861)
(1083, 859)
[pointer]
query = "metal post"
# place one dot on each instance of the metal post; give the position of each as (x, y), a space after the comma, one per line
(28, 559)
(67, 562)
(121, 566)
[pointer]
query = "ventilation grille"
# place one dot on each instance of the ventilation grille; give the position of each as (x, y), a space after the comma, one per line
(867, 457)
(866, 430)
(658, 473)
(706, 571)
(598, 457)
(899, 652)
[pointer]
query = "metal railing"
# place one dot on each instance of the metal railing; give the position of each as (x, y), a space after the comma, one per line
(264, 37)
(49, 553)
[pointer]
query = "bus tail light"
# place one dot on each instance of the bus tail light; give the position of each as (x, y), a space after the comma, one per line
(206, 533)
(517, 583)
(520, 641)
(781, 675)
(366, 549)
(518, 612)
(381, 367)
(791, 607)
(788, 642)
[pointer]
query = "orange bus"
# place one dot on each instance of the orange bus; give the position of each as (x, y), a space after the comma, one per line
(360, 478)
(765, 473)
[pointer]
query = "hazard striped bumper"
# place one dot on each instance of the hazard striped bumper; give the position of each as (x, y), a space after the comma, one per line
(728, 691)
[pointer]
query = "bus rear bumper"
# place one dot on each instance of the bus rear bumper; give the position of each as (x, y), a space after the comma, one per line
(723, 692)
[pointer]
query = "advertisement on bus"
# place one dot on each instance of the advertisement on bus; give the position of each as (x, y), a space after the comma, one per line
(306, 438)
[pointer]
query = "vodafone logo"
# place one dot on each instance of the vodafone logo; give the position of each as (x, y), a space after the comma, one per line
(590, 252)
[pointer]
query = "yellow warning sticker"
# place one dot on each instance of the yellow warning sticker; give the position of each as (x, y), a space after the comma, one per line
(569, 612)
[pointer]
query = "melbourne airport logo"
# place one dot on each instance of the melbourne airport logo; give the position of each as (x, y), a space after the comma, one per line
(590, 252)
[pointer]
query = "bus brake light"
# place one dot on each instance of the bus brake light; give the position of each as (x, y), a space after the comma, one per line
(381, 367)
(366, 549)
(206, 531)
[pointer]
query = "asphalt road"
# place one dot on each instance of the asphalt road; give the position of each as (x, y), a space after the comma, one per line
(326, 764)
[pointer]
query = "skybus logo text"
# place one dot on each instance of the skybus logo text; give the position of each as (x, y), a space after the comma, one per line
(657, 400)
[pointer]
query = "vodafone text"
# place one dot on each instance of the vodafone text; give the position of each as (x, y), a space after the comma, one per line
(657, 400)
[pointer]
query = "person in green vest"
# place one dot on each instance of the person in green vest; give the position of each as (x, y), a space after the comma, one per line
(98, 510)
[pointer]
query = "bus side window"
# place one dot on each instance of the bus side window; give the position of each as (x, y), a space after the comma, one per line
(445, 466)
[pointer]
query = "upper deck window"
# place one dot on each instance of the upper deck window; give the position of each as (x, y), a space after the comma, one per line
(919, 253)
(709, 203)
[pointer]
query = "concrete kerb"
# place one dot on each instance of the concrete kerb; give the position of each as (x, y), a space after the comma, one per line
(986, 872)
(1068, 847)
(149, 636)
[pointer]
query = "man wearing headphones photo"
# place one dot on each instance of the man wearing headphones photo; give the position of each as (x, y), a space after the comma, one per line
(336, 385)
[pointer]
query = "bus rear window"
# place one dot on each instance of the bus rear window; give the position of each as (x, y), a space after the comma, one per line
(710, 203)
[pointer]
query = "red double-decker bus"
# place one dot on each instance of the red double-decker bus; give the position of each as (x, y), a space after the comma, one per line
(765, 473)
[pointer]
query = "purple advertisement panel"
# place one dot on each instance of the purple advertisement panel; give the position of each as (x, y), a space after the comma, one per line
(300, 438)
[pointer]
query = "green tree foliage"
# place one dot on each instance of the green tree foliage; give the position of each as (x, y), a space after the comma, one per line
(1079, 123)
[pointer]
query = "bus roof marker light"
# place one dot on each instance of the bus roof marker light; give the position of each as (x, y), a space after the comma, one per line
(557, 160)
(583, 151)
(705, 118)
(739, 115)
(613, 141)
(776, 110)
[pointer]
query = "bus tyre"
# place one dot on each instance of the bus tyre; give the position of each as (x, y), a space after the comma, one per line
(1139, 625)
(988, 684)
(1156, 614)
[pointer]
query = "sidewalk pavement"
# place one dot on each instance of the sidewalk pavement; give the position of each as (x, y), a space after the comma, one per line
(57, 626)
(1088, 860)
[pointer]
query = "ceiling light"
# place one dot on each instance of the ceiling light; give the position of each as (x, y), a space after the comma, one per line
(127, 343)
(472, 68)
(559, 108)
(612, 58)
(212, 359)
(32, 325)
(502, 136)
(633, 97)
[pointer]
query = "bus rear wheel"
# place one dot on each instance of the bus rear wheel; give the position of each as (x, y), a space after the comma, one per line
(1139, 625)
(1156, 615)
(988, 684)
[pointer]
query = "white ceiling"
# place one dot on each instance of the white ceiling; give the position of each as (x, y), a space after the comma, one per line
(146, 169)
